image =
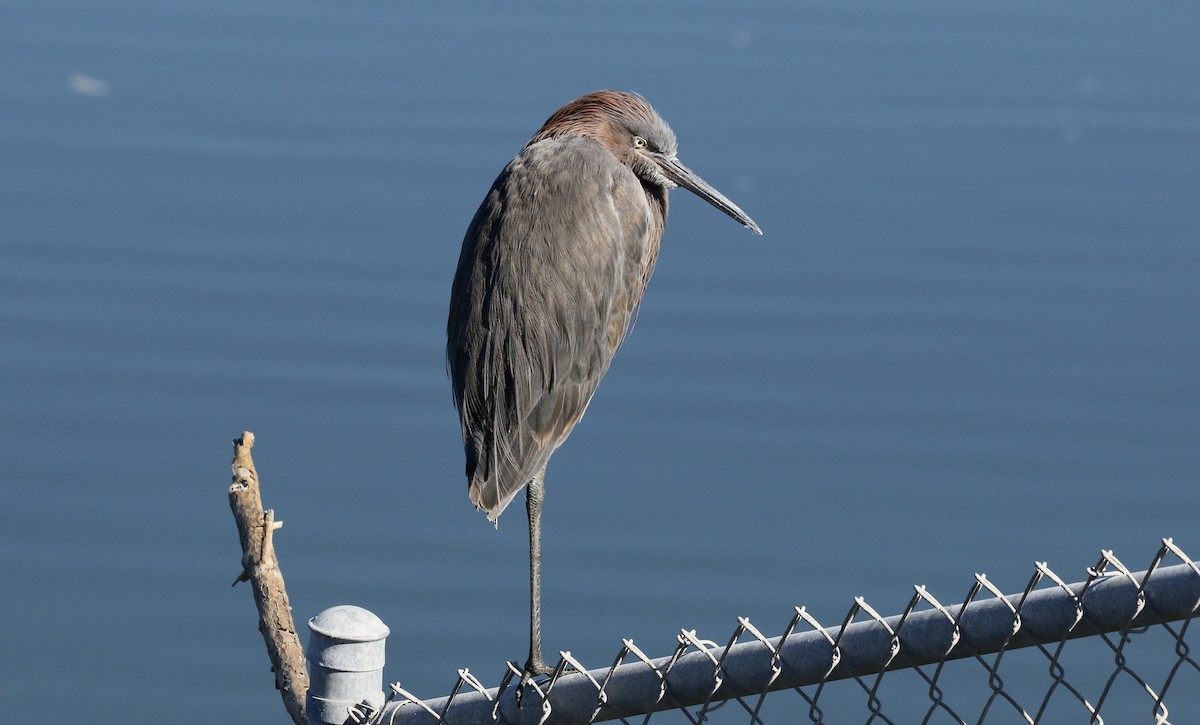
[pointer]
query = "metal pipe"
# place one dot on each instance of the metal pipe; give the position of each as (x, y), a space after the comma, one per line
(1109, 603)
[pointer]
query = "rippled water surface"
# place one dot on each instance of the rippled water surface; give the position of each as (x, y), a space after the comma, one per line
(967, 341)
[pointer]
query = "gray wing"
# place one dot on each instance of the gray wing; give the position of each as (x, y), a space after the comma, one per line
(552, 268)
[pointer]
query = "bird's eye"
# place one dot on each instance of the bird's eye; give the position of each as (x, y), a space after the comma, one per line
(639, 142)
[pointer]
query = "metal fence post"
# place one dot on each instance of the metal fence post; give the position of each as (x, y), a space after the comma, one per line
(345, 662)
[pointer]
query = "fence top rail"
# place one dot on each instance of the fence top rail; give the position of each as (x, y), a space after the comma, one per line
(807, 653)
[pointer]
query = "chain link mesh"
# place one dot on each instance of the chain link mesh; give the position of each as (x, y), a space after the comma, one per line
(1113, 646)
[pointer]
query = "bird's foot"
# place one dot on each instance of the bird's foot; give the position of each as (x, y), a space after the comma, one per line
(536, 667)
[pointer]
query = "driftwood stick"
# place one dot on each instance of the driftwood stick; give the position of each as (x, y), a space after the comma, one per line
(256, 530)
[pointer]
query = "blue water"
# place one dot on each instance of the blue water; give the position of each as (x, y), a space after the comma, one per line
(967, 341)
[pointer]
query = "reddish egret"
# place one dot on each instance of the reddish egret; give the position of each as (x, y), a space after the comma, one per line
(552, 270)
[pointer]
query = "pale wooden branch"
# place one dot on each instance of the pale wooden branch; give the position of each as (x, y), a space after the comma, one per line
(256, 530)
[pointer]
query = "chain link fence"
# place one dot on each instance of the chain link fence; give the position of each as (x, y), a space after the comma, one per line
(1114, 646)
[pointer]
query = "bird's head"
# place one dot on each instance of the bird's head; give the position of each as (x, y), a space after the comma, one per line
(627, 125)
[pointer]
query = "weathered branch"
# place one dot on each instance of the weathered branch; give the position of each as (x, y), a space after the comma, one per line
(256, 530)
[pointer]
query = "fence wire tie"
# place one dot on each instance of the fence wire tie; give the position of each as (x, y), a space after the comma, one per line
(559, 669)
(1016, 622)
(955, 632)
(374, 717)
(1158, 558)
(717, 673)
(453, 694)
(737, 633)
(913, 601)
(602, 699)
(849, 618)
(603, 696)
(1046, 571)
(895, 647)
(776, 667)
(683, 643)
(362, 714)
(733, 639)
(508, 675)
(680, 648)
(689, 636)
(409, 697)
(1170, 544)
(1034, 580)
(514, 671)
(835, 650)
(1141, 586)
(968, 600)
(1112, 558)
(466, 676)
(662, 678)
(985, 583)
(787, 631)
(835, 658)
(1101, 568)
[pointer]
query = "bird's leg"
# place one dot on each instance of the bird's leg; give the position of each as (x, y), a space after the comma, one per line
(534, 493)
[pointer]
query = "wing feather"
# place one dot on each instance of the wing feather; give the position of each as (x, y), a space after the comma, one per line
(552, 268)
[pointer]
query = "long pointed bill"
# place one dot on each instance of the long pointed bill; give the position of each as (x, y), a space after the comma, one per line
(685, 177)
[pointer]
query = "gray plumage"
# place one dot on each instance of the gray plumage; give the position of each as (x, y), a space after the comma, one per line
(553, 267)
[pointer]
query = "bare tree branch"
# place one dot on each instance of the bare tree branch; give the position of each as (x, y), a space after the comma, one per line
(256, 529)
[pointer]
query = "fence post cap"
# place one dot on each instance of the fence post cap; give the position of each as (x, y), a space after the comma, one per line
(349, 623)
